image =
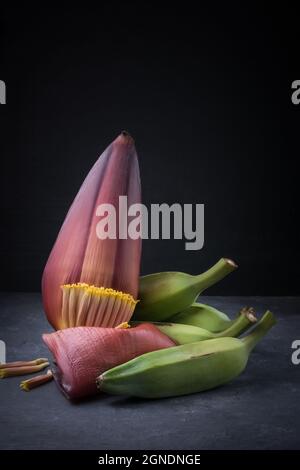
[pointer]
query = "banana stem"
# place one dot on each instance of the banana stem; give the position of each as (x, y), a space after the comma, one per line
(35, 362)
(29, 384)
(23, 370)
(263, 326)
(213, 275)
(245, 319)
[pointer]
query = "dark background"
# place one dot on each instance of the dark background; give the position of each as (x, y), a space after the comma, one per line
(207, 96)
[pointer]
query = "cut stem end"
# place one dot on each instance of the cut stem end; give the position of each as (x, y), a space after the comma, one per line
(29, 384)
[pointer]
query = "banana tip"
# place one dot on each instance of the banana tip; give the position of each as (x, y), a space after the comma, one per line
(99, 381)
(231, 262)
(249, 312)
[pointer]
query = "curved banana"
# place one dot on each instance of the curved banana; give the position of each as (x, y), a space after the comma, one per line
(181, 370)
(162, 295)
(203, 316)
(183, 334)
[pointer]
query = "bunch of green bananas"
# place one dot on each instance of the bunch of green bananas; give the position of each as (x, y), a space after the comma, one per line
(162, 295)
(207, 352)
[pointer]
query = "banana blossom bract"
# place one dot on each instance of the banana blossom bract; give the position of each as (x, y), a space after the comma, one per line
(87, 280)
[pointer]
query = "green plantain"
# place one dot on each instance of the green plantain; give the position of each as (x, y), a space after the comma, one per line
(183, 334)
(203, 316)
(181, 370)
(162, 295)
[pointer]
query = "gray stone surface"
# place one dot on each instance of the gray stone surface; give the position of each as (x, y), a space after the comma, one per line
(259, 410)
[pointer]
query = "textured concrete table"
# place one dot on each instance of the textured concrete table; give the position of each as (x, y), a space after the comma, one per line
(259, 410)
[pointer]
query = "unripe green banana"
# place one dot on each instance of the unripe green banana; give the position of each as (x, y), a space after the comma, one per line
(203, 316)
(181, 370)
(162, 295)
(183, 334)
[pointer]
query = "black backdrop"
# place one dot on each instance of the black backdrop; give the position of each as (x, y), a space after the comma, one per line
(206, 95)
